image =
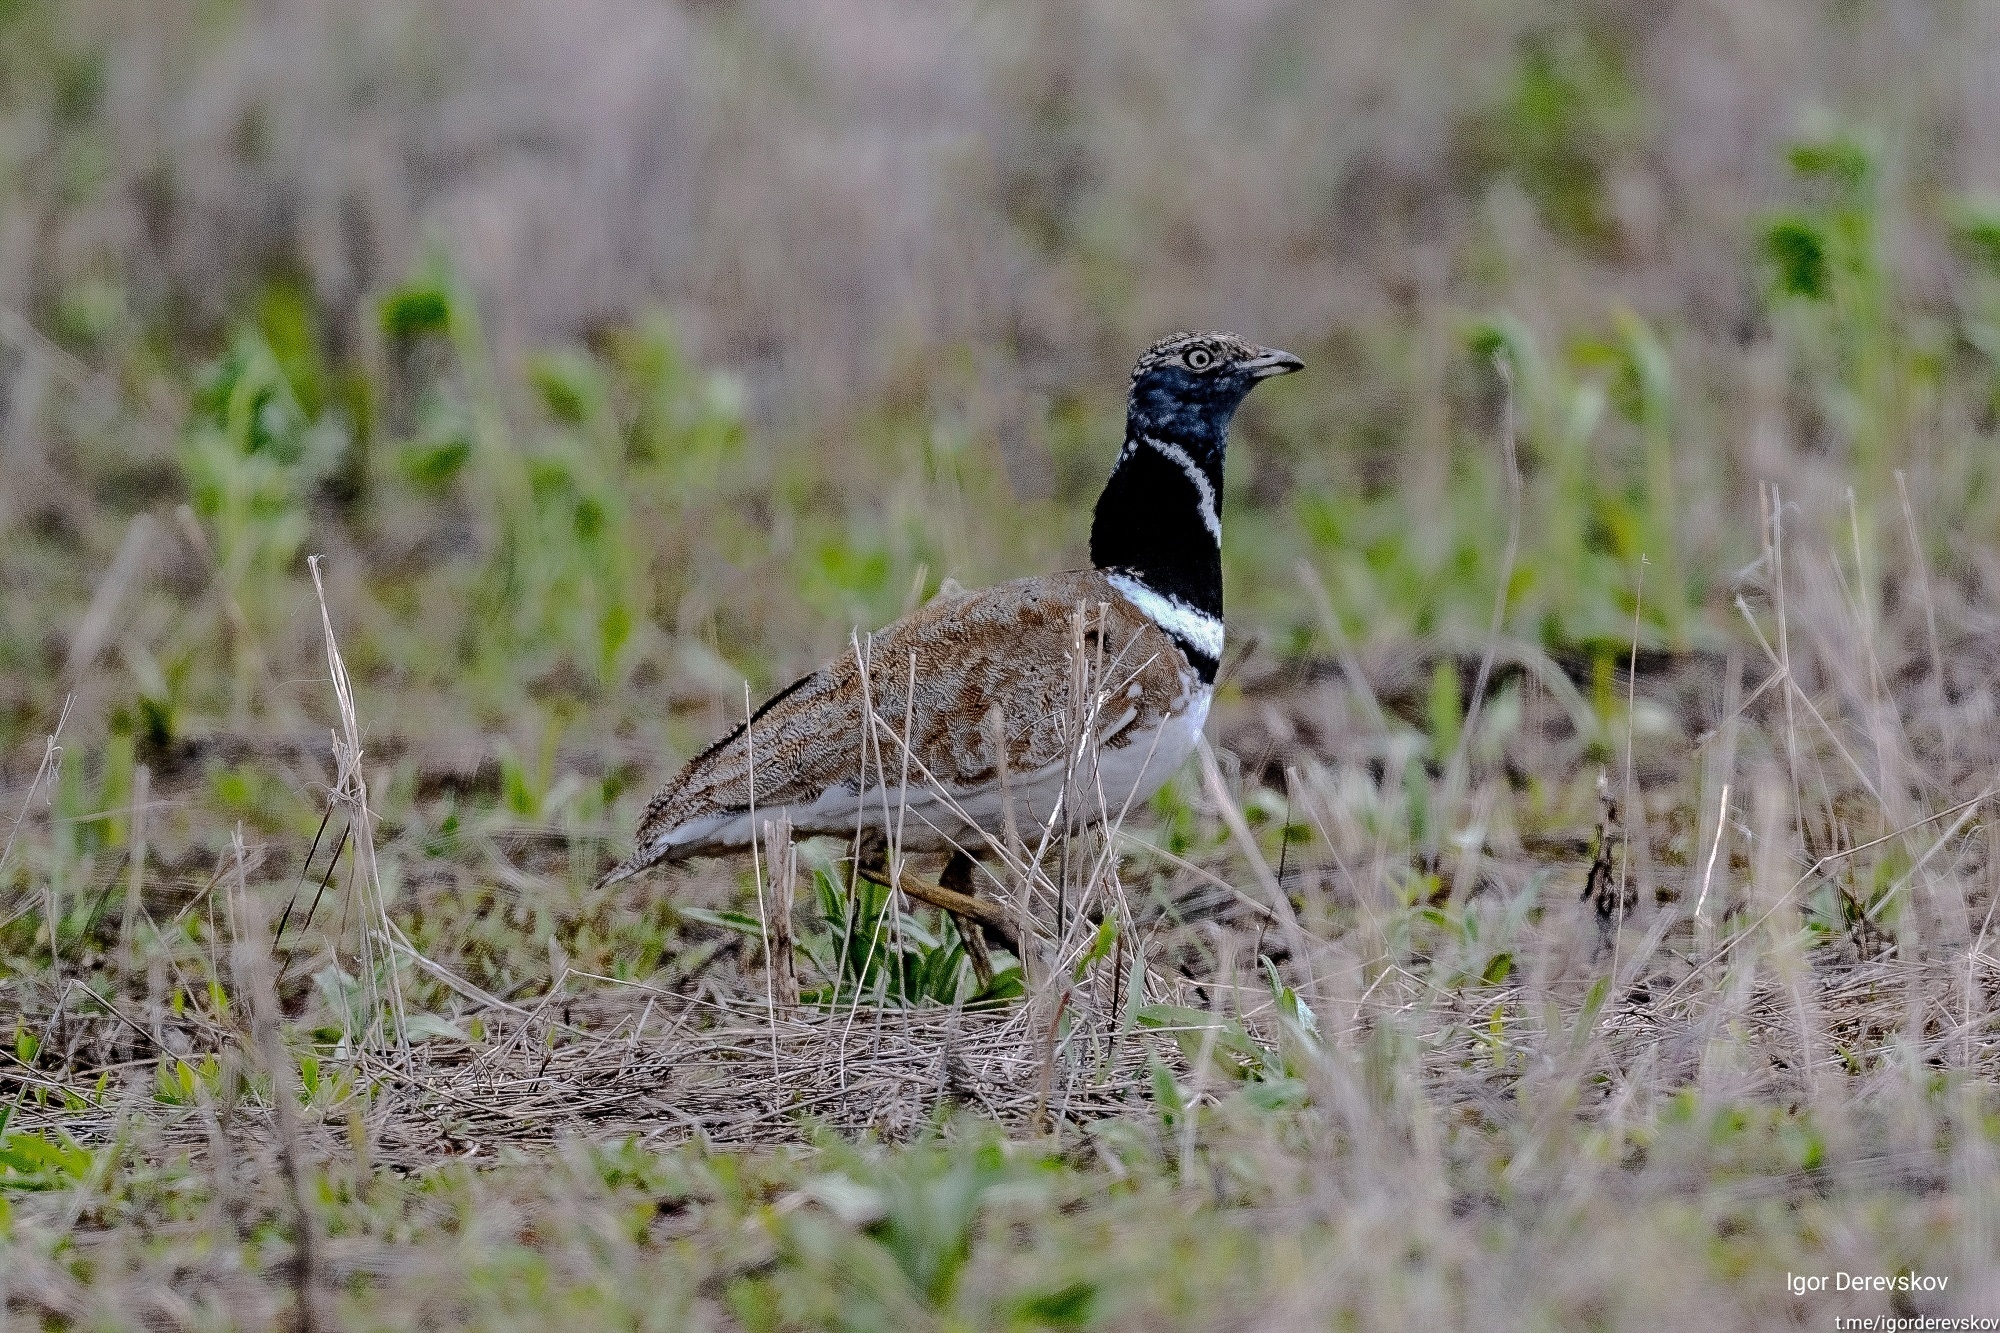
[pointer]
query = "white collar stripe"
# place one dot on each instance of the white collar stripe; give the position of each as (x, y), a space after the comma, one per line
(1191, 625)
(1210, 519)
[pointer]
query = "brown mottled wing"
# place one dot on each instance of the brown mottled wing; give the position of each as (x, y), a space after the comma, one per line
(1009, 645)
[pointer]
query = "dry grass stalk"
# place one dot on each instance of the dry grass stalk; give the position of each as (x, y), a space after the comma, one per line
(1085, 702)
(351, 790)
(1714, 849)
(1225, 984)
(1045, 1066)
(756, 878)
(1455, 768)
(1922, 566)
(253, 983)
(1012, 852)
(250, 662)
(135, 885)
(781, 858)
(93, 632)
(1246, 842)
(52, 753)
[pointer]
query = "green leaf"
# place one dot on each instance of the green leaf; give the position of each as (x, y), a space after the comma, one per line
(35, 1161)
(417, 308)
(1166, 1093)
(1007, 985)
(568, 385)
(1288, 1001)
(1797, 250)
(1100, 946)
(1066, 1307)
(1842, 158)
(613, 631)
(1504, 337)
(1196, 1030)
(1975, 225)
(739, 922)
(429, 464)
(1446, 708)
(426, 1027)
(1585, 1020)
(848, 1199)
(1278, 1094)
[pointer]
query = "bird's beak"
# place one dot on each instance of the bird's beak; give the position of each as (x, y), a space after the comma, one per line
(1270, 361)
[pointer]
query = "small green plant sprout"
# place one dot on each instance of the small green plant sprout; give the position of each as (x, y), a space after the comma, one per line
(1643, 516)
(1569, 115)
(1102, 941)
(530, 789)
(1975, 229)
(1290, 1006)
(178, 1082)
(41, 1160)
(1572, 580)
(866, 951)
(1216, 1044)
(251, 456)
(1828, 288)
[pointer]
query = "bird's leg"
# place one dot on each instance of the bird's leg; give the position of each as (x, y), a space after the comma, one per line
(871, 856)
(957, 877)
(871, 864)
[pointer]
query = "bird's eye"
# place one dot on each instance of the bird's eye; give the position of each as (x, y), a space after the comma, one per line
(1200, 358)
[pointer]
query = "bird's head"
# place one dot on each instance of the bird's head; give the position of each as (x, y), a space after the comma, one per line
(1186, 387)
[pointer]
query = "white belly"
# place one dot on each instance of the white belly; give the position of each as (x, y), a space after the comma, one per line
(1105, 786)
(1116, 780)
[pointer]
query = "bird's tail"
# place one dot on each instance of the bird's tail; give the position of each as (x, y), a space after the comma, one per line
(636, 864)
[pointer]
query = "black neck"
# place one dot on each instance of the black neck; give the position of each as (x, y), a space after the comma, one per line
(1150, 521)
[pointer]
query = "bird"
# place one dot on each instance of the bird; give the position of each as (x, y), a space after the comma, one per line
(966, 713)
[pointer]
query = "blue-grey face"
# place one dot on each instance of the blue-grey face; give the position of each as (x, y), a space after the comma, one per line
(1187, 387)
